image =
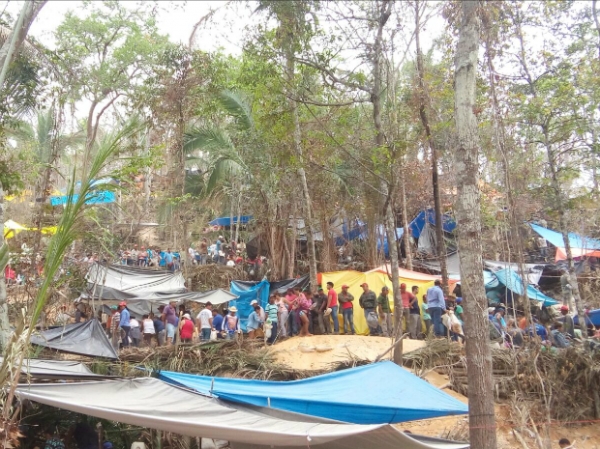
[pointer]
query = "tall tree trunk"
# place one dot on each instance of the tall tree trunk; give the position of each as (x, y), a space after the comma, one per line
(482, 423)
(239, 217)
(407, 233)
(308, 218)
(423, 101)
(7, 51)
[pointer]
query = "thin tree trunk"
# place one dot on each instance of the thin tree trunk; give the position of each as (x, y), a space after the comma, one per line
(308, 219)
(293, 240)
(148, 177)
(407, 235)
(482, 423)
(239, 218)
(423, 100)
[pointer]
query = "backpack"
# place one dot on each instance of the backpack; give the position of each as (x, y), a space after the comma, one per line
(372, 320)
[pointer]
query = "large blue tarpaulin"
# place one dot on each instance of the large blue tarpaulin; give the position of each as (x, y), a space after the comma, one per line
(246, 293)
(96, 197)
(513, 282)
(428, 216)
(575, 240)
(372, 394)
(226, 221)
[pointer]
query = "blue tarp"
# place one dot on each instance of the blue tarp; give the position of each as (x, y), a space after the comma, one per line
(247, 293)
(372, 394)
(575, 240)
(96, 197)
(513, 282)
(226, 221)
(428, 215)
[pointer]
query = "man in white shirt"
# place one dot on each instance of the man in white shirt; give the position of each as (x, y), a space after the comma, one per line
(204, 321)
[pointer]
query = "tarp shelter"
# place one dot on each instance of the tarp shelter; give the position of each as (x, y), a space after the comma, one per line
(87, 338)
(135, 280)
(151, 403)
(533, 271)
(302, 282)
(428, 216)
(394, 394)
(376, 279)
(514, 283)
(226, 221)
(246, 294)
(57, 369)
(580, 246)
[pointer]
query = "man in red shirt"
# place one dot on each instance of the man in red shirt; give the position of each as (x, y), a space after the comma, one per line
(332, 303)
(345, 298)
(407, 297)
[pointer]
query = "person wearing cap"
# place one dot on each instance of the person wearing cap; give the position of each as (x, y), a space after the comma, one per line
(567, 320)
(186, 328)
(205, 322)
(272, 311)
(232, 323)
(368, 302)
(436, 304)
(385, 312)
(459, 311)
(345, 298)
(254, 322)
(262, 313)
(169, 317)
(124, 323)
(114, 327)
(332, 303)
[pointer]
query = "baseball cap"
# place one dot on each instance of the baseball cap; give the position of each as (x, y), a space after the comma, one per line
(187, 315)
(563, 307)
(402, 285)
(345, 286)
(123, 303)
(254, 301)
(113, 307)
(364, 284)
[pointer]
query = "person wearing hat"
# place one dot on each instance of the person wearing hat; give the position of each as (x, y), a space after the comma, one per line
(169, 317)
(124, 323)
(114, 326)
(368, 302)
(345, 298)
(186, 328)
(567, 320)
(262, 313)
(232, 323)
(332, 303)
(205, 322)
(385, 312)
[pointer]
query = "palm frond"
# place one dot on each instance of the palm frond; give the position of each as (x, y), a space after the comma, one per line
(223, 169)
(238, 105)
(206, 139)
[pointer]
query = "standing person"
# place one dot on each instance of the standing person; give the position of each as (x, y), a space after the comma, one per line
(320, 308)
(272, 311)
(436, 304)
(385, 313)
(115, 328)
(415, 315)
(186, 328)
(159, 328)
(254, 322)
(332, 303)
(169, 317)
(203, 250)
(217, 322)
(232, 323)
(148, 329)
(406, 299)
(567, 320)
(261, 311)
(426, 316)
(368, 302)
(282, 319)
(142, 256)
(124, 320)
(169, 262)
(136, 331)
(205, 322)
(345, 298)
(459, 311)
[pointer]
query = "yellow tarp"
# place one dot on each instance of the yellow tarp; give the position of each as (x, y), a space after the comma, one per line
(376, 280)
(12, 228)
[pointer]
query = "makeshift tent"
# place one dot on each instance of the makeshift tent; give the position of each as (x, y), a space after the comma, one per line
(87, 338)
(302, 282)
(135, 280)
(514, 283)
(376, 279)
(151, 403)
(428, 216)
(533, 271)
(452, 265)
(226, 221)
(580, 246)
(57, 369)
(139, 307)
(247, 293)
(394, 394)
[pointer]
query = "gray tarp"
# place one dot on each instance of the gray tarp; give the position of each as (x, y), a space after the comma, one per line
(87, 338)
(56, 369)
(134, 280)
(151, 403)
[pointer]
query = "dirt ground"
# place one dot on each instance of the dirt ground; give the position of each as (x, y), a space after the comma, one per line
(304, 352)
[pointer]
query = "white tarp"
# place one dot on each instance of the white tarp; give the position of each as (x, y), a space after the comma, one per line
(56, 369)
(151, 403)
(135, 280)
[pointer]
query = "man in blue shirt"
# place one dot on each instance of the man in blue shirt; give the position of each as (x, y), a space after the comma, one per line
(169, 260)
(436, 304)
(124, 322)
(159, 327)
(217, 323)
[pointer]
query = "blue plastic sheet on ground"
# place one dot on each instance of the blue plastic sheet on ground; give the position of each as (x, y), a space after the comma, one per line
(247, 293)
(513, 282)
(372, 394)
